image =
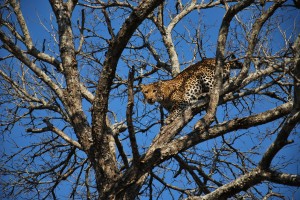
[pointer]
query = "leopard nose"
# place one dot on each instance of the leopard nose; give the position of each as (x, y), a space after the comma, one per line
(150, 101)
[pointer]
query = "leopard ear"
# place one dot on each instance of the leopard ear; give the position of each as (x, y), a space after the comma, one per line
(140, 87)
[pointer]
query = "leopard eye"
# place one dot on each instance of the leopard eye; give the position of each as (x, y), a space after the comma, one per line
(154, 90)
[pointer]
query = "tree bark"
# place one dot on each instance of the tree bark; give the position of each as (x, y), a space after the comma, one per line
(107, 175)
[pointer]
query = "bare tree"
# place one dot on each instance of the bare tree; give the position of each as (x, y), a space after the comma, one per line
(73, 120)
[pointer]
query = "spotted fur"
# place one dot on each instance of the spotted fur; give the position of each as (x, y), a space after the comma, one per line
(187, 87)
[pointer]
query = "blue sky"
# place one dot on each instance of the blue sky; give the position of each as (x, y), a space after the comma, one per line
(36, 12)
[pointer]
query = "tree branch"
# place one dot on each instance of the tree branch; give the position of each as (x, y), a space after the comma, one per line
(10, 46)
(105, 166)
(28, 41)
(296, 49)
(281, 178)
(73, 102)
(248, 180)
(240, 184)
(253, 39)
(280, 141)
(223, 32)
(60, 133)
(201, 186)
(154, 156)
(129, 113)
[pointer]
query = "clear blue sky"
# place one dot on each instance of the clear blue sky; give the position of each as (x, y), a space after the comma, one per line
(36, 12)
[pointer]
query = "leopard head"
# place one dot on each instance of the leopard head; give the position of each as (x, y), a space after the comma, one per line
(151, 92)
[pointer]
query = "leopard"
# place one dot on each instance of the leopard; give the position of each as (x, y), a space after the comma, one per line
(188, 87)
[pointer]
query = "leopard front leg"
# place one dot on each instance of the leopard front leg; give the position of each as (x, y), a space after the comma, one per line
(183, 97)
(176, 110)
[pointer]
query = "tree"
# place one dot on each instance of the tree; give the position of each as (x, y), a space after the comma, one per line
(73, 121)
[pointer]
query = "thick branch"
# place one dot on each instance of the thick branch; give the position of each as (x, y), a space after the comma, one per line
(296, 48)
(282, 178)
(203, 134)
(105, 167)
(281, 140)
(240, 184)
(73, 102)
(166, 34)
(22, 23)
(248, 180)
(223, 32)
(154, 156)
(129, 113)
